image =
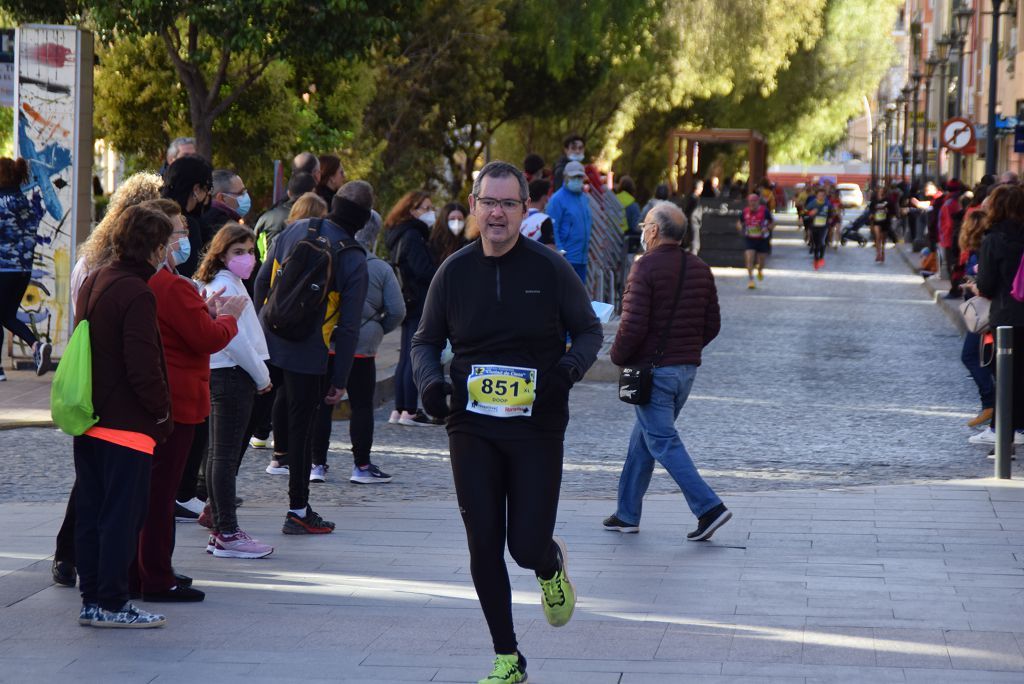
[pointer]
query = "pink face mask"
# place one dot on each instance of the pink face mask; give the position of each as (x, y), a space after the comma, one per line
(242, 265)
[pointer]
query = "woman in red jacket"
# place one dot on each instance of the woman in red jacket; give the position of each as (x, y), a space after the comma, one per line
(190, 334)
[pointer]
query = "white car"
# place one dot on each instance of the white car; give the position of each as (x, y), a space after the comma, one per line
(850, 195)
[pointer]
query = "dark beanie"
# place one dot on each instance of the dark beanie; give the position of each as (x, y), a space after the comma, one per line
(349, 215)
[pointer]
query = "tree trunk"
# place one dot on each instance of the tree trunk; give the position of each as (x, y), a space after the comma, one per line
(202, 129)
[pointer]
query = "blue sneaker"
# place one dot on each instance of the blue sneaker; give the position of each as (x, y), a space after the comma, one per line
(89, 611)
(129, 617)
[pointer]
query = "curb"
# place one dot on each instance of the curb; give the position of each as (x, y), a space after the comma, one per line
(938, 288)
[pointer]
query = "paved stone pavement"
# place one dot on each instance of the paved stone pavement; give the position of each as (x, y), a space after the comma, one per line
(829, 415)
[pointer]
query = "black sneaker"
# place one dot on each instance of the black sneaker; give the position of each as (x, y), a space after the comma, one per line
(369, 475)
(311, 524)
(421, 418)
(615, 525)
(178, 594)
(63, 573)
(182, 580)
(708, 523)
(182, 514)
(41, 356)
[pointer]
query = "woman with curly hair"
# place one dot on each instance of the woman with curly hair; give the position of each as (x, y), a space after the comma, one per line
(97, 251)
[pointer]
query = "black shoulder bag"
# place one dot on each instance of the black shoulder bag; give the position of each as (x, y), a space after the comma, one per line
(635, 382)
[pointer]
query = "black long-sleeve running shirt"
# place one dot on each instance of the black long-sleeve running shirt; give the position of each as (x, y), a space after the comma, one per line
(512, 310)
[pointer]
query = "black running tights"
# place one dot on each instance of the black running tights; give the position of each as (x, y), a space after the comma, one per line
(524, 478)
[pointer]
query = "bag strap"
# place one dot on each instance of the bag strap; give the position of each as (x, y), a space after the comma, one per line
(660, 349)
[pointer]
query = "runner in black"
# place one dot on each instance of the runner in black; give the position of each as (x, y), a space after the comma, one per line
(506, 303)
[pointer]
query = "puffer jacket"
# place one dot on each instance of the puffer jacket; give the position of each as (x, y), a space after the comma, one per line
(647, 303)
(998, 261)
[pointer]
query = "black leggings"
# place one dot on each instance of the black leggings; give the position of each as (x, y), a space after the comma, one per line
(12, 288)
(525, 476)
(818, 235)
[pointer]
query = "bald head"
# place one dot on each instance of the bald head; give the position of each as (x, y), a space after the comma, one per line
(307, 162)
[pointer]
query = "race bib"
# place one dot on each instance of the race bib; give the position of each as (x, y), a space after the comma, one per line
(820, 220)
(881, 215)
(754, 230)
(501, 391)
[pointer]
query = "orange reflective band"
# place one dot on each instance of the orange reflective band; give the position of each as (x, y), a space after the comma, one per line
(126, 438)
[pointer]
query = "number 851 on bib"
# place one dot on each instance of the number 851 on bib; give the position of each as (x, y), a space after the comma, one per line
(501, 391)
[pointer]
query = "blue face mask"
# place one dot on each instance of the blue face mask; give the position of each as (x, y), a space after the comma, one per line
(182, 250)
(574, 184)
(244, 204)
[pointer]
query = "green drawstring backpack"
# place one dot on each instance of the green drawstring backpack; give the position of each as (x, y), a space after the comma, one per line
(71, 391)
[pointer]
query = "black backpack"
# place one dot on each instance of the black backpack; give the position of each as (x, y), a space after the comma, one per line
(300, 286)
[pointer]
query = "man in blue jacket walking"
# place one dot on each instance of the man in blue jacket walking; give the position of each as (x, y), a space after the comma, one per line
(569, 209)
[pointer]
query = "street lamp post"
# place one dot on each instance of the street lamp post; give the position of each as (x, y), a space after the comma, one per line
(916, 80)
(993, 63)
(890, 116)
(961, 19)
(942, 46)
(929, 71)
(908, 92)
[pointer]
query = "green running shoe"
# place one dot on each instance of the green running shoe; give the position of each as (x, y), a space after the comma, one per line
(508, 669)
(558, 595)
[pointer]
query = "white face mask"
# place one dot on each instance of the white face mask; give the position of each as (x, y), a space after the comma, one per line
(643, 240)
(428, 217)
(456, 226)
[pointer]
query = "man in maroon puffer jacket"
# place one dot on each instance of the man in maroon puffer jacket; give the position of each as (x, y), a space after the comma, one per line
(642, 339)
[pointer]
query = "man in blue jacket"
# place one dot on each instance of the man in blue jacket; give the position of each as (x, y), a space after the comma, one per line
(569, 209)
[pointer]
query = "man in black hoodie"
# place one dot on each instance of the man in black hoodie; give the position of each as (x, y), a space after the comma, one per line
(506, 303)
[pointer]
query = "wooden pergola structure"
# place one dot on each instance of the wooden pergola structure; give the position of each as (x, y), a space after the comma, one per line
(684, 152)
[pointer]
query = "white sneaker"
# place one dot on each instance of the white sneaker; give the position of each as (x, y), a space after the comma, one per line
(275, 468)
(394, 417)
(194, 505)
(318, 473)
(988, 436)
(257, 443)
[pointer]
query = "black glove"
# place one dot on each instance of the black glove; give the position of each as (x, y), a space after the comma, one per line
(560, 381)
(435, 399)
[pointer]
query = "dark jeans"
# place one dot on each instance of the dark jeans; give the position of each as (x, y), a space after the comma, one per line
(324, 418)
(189, 486)
(65, 551)
(406, 396)
(970, 356)
(1018, 379)
(362, 382)
(156, 541)
(111, 497)
(231, 397)
(303, 395)
(265, 416)
(12, 288)
(522, 478)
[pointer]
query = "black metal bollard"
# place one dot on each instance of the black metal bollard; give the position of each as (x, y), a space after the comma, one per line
(1004, 401)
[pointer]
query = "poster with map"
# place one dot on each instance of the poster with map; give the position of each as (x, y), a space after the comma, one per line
(53, 132)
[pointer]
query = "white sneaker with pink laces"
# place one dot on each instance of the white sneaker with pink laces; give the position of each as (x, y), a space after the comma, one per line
(239, 545)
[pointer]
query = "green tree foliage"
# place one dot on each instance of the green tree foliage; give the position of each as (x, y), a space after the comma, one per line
(419, 93)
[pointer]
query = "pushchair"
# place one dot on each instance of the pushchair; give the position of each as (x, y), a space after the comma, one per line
(854, 232)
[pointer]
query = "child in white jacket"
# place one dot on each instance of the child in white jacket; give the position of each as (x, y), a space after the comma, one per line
(237, 375)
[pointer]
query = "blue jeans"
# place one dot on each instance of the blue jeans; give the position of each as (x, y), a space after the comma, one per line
(406, 396)
(655, 438)
(970, 356)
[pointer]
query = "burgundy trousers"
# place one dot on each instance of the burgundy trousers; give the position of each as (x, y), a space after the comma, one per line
(156, 541)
